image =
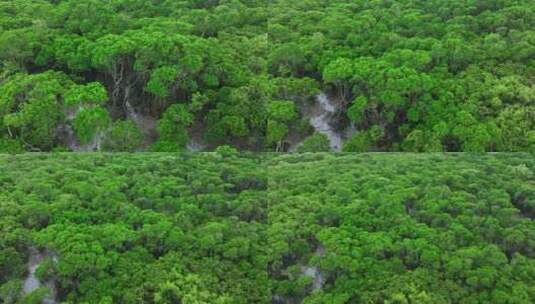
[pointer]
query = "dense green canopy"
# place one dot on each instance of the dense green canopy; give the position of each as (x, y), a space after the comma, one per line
(136, 228)
(304, 228)
(432, 75)
(402, 228)
(135, 58)
(410, 75)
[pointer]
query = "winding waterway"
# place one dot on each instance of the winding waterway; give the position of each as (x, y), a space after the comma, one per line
(32, 283)
(321, 121)
(322, 117)
(314, 273)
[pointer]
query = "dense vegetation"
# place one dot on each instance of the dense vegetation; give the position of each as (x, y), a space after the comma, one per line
(176, 68)
(403, 228)
(410, 75)
(414, 75)
(137, 228)
(303, 228)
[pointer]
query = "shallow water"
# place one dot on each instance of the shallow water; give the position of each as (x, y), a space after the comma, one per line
(31, 282)
(194, 145)
(321, 119)
(314, 273)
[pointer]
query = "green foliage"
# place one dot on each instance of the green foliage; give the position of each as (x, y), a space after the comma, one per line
(281, 110)
(11, 264)
(35, 297)
(154, 227)
(11, 146)
(339, 72)
(276, 131)
(149, 54)
(363, 141)
(435, 75)
(280, 113)
(123, 135)
(173, 129)
(160, 81)
(30, 107)
(10, 292)
(402, 228)
(316, 142)
(89, 122)
(228, 227)
(418, 141)
(92, 93)
(517, 127)
(355, 111)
